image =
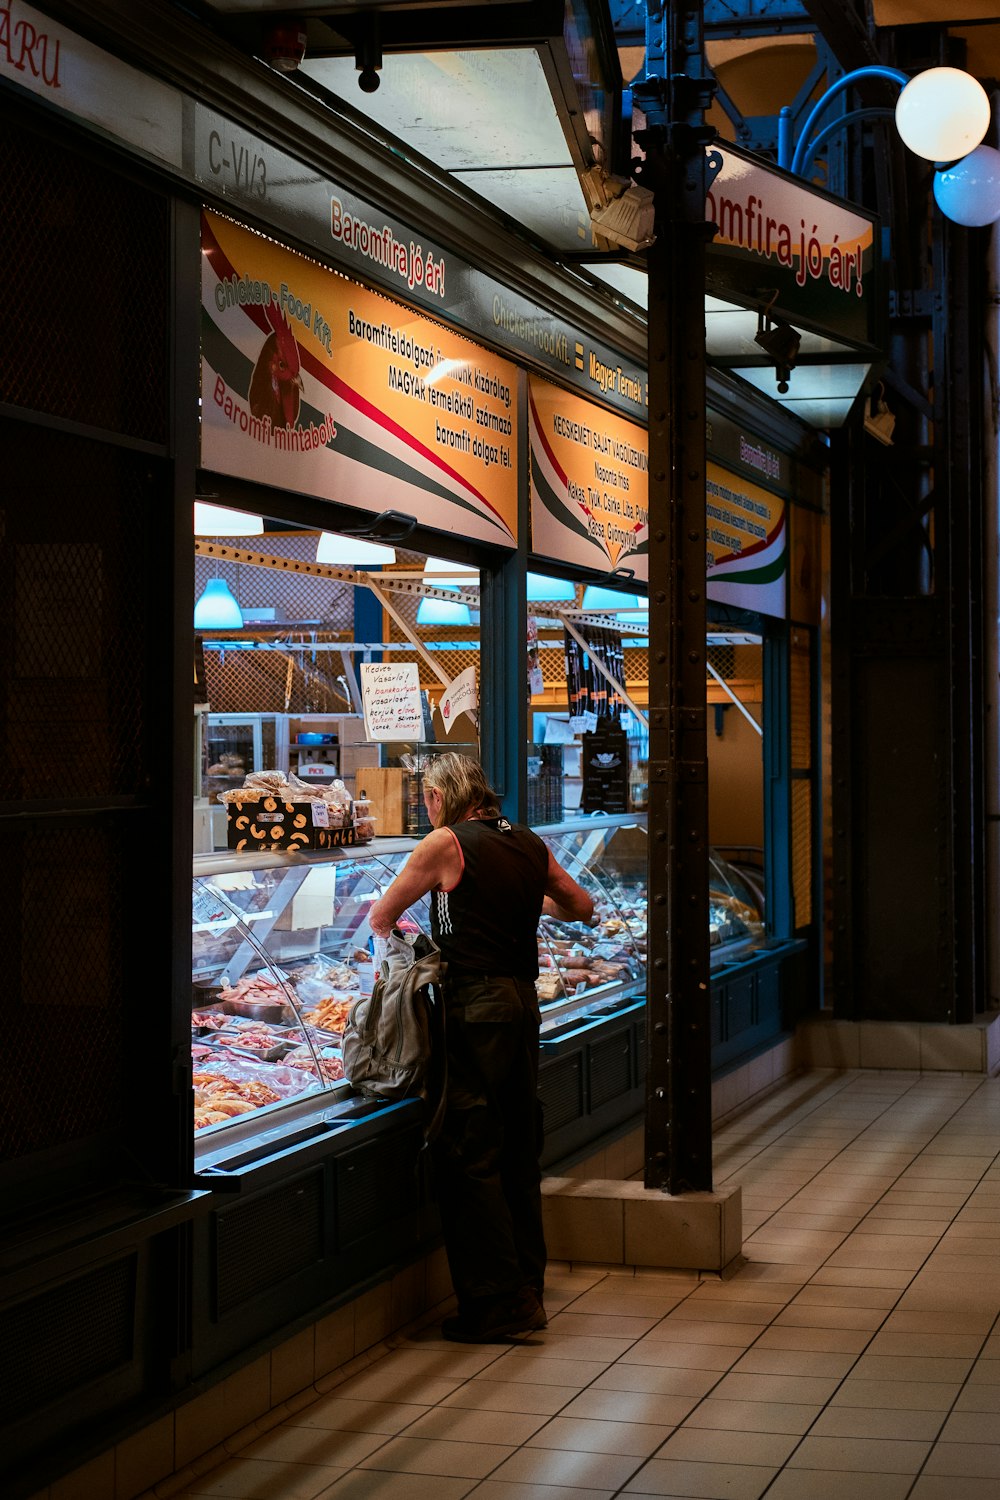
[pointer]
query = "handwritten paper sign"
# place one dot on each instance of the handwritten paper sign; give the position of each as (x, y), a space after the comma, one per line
(390, 694)
(459, 698)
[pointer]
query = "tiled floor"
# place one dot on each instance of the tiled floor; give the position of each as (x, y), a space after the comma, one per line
(856, 1352)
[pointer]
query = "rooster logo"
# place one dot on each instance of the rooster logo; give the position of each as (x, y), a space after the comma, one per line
(276, 383)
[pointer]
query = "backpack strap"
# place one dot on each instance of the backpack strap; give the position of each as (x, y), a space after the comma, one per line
(439, 1050)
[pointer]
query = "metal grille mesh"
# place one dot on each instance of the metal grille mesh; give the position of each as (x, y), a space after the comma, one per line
(67, 1337)
(560, 1088)
(610, 1069)
(297, 596)
(802, 851)
(263, 1243)
(723, 659)
(67, 950)
(72, 617)
(92, 345)
(800, 708)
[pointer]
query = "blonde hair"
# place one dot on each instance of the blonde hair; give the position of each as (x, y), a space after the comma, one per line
(463, 787)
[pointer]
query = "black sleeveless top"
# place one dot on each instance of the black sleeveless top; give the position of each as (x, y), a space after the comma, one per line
(488, 923)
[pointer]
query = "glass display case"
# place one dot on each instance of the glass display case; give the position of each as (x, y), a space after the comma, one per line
(280, 952)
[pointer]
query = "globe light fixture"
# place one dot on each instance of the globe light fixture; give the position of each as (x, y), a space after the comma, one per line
(968, 192)
(942, 114)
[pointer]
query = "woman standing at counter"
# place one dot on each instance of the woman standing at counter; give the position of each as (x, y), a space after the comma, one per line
(490, 882)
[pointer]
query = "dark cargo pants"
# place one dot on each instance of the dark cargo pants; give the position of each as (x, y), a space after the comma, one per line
(486, 1156)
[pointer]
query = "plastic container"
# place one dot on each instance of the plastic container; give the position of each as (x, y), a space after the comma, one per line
(364, 820)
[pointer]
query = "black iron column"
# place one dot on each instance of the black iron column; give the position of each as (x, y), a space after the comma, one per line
(673, 98)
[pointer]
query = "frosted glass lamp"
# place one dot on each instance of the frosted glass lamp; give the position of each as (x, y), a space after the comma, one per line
(217, 609)
(221, 520)
(352, 552)
(968, 191)
(443, 612)
(942, 114)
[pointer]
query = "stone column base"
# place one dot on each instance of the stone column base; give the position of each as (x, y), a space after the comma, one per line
(626, 1224)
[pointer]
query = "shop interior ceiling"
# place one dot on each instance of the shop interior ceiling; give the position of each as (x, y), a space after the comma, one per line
(513, 99)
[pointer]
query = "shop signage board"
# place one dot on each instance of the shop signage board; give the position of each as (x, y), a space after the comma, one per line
(589, 490)
(746, 539)
(313, 383)
(53, 63)
(781, 243)
(234, 164)
(589, 483)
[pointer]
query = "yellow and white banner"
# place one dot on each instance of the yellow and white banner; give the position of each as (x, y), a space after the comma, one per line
(589, 481)
(747, 543)
(315, 384)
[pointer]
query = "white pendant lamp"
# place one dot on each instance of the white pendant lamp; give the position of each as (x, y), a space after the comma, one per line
(942, 114)
(352, 552)
(220, 520)
(217, 609)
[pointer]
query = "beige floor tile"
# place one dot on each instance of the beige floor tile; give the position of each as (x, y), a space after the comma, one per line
(808, 1388)
(387, 1417)
(599, 1435)
(724, 1310)
(872, 1250)
(899, 1395)
(870, 1276)
(744, 1288)
(931, 1487)
(539, 1369)
(806, 1484)
(248, 1478)
(966, 1460)
(818, 1295)
(651, 1380)
(714, 1446)
(936, 1345)
(950, 1320)
(683, 1356)
(878, 1422)
(685, 1330)
(602, 1301)
(834, 1340)
(971, 1427)
(501, 1489)
(407, 1455)
(504, 1395)
(314, 1445)
(701, 1481)
(557, 1342)
(593, 1471)
(662, 1411)
(910, 1367)
(362, 1484)
(758, 1361)
(801, 1315)
(860, 1455)
(794, 1417)
(477, 1426)
(413, 1376)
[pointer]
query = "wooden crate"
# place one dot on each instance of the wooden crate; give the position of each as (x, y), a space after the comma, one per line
(386, 789)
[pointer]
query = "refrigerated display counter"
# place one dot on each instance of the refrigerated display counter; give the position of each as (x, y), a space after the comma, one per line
(280, 951)
(317, 1189)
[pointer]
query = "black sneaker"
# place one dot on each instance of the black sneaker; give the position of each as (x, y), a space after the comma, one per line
(522, 1313)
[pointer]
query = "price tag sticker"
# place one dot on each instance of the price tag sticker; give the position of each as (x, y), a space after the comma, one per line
(321, 814)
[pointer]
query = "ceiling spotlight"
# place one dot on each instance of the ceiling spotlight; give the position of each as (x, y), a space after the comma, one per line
(781, 342)
(368, 57)
(285, 44)
(880, 422)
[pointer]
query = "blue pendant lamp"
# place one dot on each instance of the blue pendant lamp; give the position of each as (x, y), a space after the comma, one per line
(217, 609)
